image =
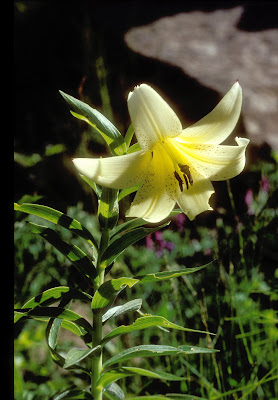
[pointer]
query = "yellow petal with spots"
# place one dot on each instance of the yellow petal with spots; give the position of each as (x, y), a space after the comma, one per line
(214, 162)
(195, 200)
(157, 195)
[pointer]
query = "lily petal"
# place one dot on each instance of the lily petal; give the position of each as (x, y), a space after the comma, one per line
(157, 196)
(215, 162)
(195, 200)
(115, 172)
(216, 126)
(152, 118)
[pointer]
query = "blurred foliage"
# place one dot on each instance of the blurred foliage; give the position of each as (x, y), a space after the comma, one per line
(237, 301)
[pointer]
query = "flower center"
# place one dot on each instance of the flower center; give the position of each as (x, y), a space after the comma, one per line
(181, 171)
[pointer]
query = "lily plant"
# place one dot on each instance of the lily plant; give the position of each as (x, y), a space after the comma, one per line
(168, 165)
(173, 165)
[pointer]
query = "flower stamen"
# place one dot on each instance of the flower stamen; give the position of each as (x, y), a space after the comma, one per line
(180, 181)
(186, 176)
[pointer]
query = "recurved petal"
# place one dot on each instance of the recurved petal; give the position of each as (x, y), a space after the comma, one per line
(152, 118)
(157, 195)
(216, 126)
(195, 200)
(115, 172)
(215, 162)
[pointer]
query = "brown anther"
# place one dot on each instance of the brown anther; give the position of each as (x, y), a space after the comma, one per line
(186, 174)
(178, 178)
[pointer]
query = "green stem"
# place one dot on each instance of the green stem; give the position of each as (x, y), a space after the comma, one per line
(97, 325)
(97, 359)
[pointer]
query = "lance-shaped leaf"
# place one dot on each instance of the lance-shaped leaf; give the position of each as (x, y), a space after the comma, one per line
(114, 392)
(77, 330)
(59, 218)
(125, 192)
(76, 355)
(143, 323)
(127, 239)
(153, 350)
(173, 396)
(133, 305)
(113, 375)
(97, 189)
(74, 394)
(52, 295)
(72, 252)
(99, 122)
(108, 291)
(52, 330)
(137, 222)
(129, 135)
(160, 276)
(56, 312)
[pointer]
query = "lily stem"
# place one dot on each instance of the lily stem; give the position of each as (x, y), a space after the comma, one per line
(97, 324)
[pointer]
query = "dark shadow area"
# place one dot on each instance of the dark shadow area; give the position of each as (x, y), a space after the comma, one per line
(57, 46)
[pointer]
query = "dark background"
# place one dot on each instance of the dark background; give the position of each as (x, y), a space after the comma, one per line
(57, 46)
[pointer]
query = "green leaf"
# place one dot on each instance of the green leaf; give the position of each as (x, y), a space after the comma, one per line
(99, 122)
(77, 330)
(133, 305)
(59, 218)
(76, 355)
(129, 135)
(96, 188)
(196, 350)
(108, 291)
(142, 351)
(56, 312)
(143, 323)
(151, 397)
(55, 149)
(52, 330)
(72, 252)
(114, 392)
(117, 246)
(154, 350)
(137, 222)
(52, 295)
(113, 375)
(176, 396)
(160, 276)
(133, 148)
(168, 396)
(74, 394)
(125, 192)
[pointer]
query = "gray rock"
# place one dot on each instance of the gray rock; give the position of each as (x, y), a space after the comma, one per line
(209, 47)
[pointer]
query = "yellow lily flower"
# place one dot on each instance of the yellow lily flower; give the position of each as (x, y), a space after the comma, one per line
(174, 165)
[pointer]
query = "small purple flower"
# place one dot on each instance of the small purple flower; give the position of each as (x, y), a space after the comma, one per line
(180, 220)
(265, 185)
(249, 201)
(149, 242)
(158, 244)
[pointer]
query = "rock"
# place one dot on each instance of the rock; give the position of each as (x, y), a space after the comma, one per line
(210, 47)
